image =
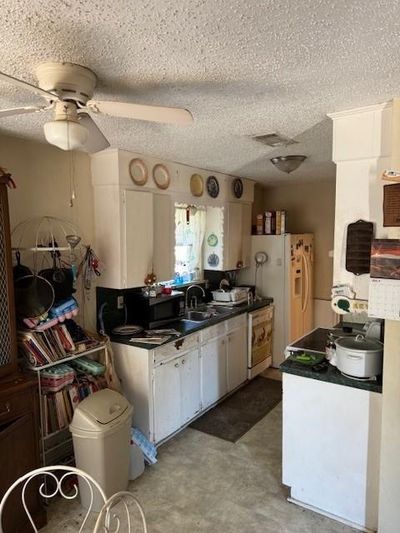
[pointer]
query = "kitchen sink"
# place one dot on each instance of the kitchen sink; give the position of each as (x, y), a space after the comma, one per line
(198, 316)
(219, 310)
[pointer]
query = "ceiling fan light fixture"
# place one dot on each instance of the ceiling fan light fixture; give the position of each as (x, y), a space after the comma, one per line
(288, 163)
(66, 134)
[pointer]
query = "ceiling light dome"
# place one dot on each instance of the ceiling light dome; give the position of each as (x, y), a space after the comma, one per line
(288, 163)
(66, 134)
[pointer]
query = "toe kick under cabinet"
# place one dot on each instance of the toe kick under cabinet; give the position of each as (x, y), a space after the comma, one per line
(171, 385)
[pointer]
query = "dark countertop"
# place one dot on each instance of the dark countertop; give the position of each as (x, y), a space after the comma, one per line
(186, 328)
(331, 375)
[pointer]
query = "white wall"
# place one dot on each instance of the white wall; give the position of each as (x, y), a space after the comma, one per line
(42, 174)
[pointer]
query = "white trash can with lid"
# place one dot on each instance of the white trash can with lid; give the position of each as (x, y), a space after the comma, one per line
(101, 435)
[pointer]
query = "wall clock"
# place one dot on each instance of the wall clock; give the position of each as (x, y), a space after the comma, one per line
(138, 171)
(212, 186)
(161, 176)
(237, 187)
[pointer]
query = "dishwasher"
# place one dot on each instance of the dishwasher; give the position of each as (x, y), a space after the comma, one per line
(260, 340)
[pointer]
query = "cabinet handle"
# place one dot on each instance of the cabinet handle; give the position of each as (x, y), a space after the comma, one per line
(176, 365)
(183, 361)
(7, 409)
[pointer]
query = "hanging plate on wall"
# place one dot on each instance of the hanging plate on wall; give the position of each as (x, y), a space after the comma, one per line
(196, 185)
(237, 187)
(212, 186)
(138, 171)
(161, 176)
(213, 260)
(212, 240)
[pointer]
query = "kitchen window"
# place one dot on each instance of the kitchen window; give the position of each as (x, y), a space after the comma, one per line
(190, 226)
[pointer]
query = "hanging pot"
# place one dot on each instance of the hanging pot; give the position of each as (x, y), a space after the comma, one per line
(61, 279)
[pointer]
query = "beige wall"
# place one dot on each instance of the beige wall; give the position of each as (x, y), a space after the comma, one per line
(42, 175)
(310, 209)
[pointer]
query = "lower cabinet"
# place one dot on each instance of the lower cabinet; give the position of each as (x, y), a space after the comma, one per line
(214, 382)
(176, 387)
(236, 358)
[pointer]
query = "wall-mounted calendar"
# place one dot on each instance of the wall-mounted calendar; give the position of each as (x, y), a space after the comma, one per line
(384, 285)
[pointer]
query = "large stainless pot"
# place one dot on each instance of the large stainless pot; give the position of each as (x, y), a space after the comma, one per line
(359, 357)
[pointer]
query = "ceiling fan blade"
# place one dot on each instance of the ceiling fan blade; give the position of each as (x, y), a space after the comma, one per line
(96, 141)
(25, 85)
(22, 110)
(172, 115)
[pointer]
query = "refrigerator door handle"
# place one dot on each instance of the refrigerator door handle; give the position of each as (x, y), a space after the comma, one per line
(307, 283)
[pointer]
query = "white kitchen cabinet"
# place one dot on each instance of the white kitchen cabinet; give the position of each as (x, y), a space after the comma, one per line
(134, 235)
(331, 448)
(190, 385)
(167, 399)
(236, 357)
(213, 371)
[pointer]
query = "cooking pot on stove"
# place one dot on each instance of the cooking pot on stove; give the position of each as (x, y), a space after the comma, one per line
(359, 357)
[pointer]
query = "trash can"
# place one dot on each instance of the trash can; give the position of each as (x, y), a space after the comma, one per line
(100, 431)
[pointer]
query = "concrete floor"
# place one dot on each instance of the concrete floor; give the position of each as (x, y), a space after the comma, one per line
(204, 484)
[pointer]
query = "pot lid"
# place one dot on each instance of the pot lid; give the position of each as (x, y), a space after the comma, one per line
(359, 343)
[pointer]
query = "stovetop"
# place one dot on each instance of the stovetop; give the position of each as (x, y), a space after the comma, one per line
(315, 341)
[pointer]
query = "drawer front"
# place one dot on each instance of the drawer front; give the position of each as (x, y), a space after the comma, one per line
(175, 348)
(211, 333)
(236, 322)
(15, 405)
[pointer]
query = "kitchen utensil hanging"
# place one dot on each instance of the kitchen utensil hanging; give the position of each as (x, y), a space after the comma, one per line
(34, 296)
(358, 247)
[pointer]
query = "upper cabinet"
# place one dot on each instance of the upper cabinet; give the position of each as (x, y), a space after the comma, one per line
(135, 218)
(227, 238)
(134, 236)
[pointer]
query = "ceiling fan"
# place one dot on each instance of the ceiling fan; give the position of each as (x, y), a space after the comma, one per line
(68, 89)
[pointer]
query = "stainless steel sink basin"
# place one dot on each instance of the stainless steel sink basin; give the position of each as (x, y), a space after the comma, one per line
(198, 316)
(220, 310)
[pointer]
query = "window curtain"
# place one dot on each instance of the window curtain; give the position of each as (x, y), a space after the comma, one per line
(191, 234)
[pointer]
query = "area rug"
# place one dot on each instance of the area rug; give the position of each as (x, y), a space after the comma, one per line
(232, 418)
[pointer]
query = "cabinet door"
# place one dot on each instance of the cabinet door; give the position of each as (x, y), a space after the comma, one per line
(138, 237)
(167, 399)
(246, 235)
(237, 358)
(164, 237)
(190, 385)
(213, 371)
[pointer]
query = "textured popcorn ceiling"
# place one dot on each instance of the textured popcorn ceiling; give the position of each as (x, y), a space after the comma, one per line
(243, 67)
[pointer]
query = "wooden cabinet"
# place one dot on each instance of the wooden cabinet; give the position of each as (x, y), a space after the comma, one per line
(8, 344)
(176, 388)
(213, 371)
(231, 224)
(19, 450)
(134, 235)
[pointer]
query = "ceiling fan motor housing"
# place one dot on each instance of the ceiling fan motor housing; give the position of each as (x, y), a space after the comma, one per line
(71, 82)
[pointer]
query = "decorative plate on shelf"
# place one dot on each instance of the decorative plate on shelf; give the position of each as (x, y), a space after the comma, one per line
(213, 260)
(138, 171)
(212, 240)
(161, 176)
(212, 186)
(196, 185)
(237, 187)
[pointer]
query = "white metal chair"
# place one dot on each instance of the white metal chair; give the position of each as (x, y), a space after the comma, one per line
(108, 521)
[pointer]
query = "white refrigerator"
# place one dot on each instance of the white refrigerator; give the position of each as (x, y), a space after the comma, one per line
(287, 277)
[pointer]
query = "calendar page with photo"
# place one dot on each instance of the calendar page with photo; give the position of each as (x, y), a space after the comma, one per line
(384, 285)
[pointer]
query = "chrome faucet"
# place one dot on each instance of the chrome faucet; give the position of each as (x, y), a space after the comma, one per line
(187, 293)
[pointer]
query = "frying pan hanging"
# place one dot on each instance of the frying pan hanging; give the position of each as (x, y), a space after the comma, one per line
(34, 296)
(19, 270)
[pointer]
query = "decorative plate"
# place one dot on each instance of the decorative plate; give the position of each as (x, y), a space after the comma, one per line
(212, 186)
(213, 260)
(212, 240)
(161, 176)
(196, 185)
(237, 187)
(138, 171)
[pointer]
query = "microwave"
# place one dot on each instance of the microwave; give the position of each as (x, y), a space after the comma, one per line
(155, 312)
